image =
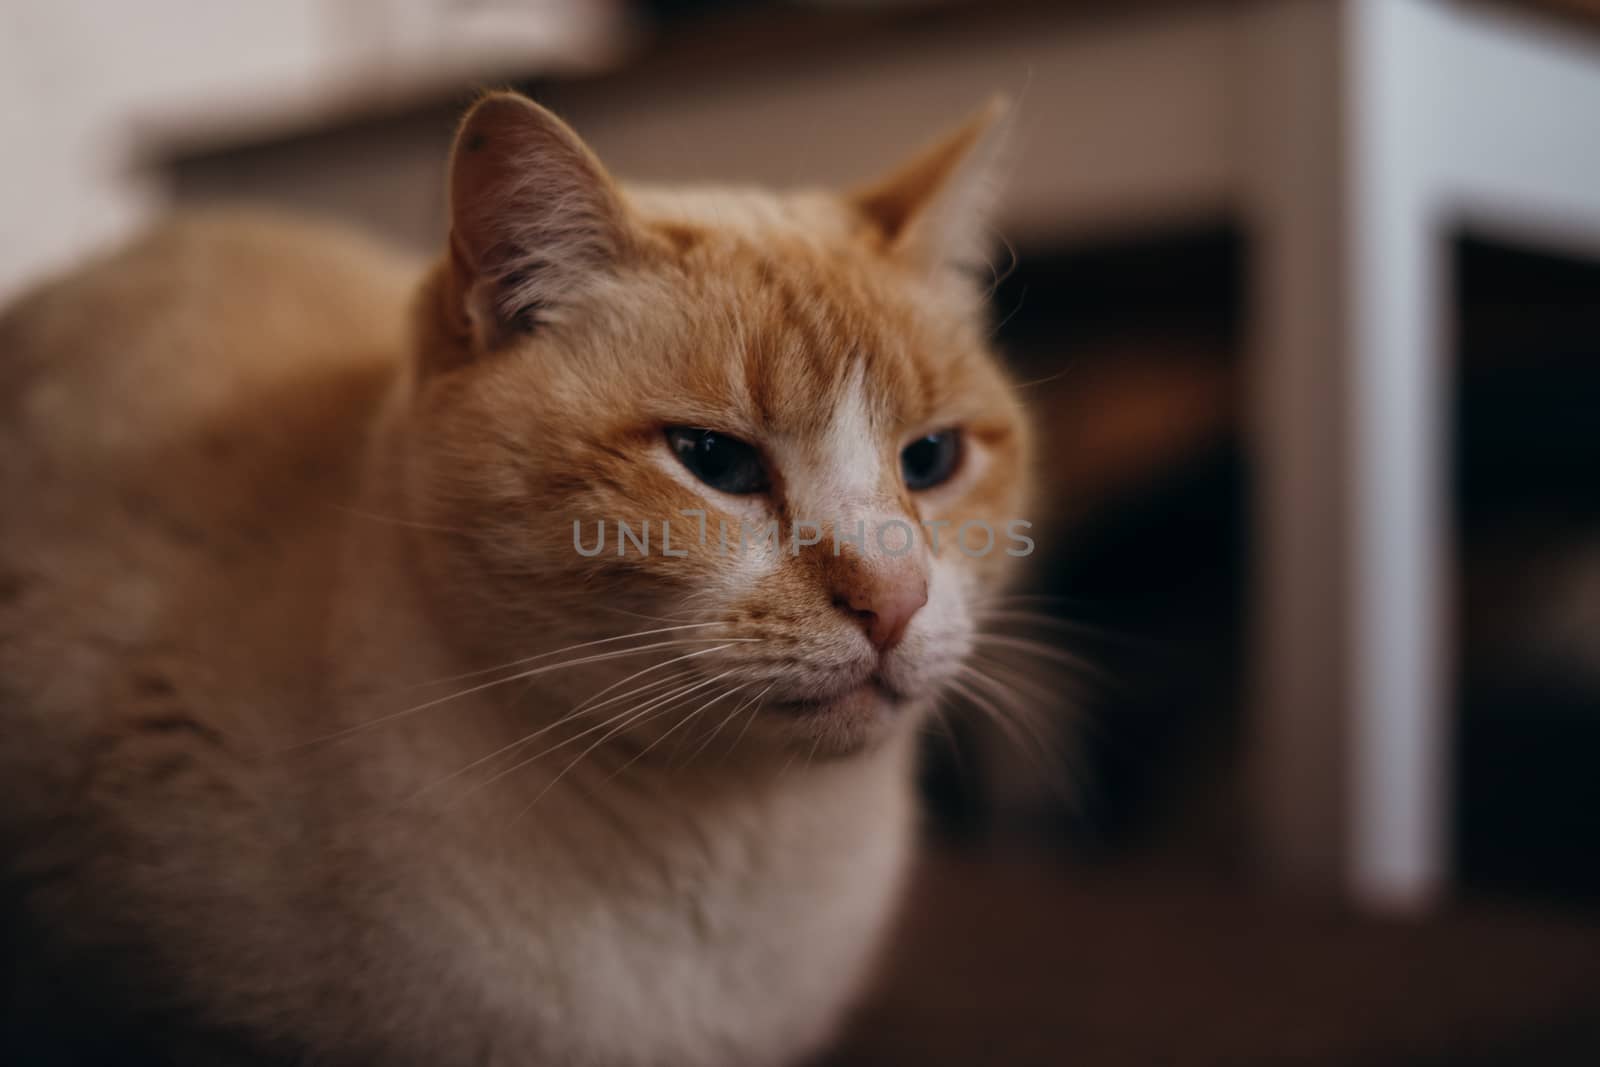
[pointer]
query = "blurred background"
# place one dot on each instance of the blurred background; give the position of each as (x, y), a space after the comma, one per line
(1305, 296)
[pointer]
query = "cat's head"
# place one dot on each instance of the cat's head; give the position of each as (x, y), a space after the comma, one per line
(720, 360)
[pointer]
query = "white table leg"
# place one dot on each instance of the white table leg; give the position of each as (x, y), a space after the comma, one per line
(1346, 406)
(1374, 127)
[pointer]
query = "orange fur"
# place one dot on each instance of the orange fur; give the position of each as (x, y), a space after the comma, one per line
(281, 483)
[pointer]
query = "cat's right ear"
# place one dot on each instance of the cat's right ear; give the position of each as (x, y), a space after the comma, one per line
(535, 220)
(933, 210)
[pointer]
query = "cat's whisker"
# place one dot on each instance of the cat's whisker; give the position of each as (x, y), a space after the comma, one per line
(1020, 728)
(654, 685)
(587, 706)
(627, 717)
(1047, 610)
(1023, 676)
(675, 727)
(1046, 380)
(1019, 679)
(1028, 745)
(640, 673)
(1044, 613)
(574, 648)
(1025, 714)
(998, 277)
(417, 708)
(643, 615)
(1007, 619)
(1039, 649)
(1021, 299)
(815, 741)
(624, 719)
(982, 703)
(738, 708)
(1024, 598)
(1042, 619)
(603, 739)
(755, 710)
(939, 717)
(1047, 664)
(1062, 768)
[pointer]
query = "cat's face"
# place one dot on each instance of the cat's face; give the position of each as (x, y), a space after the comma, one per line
(790, 397)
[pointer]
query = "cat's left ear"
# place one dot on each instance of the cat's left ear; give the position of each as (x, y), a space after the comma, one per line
(935, 209)
(535, 220)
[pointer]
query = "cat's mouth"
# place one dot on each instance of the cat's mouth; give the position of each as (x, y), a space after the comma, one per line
(872, 692)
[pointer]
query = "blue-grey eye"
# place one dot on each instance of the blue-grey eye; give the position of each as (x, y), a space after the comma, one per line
(931, 460)
(722, 462)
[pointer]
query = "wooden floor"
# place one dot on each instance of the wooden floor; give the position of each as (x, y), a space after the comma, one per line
(1017, 962)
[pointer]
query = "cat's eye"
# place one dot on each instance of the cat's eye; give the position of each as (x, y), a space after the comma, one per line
(724, 463)
(931, 460)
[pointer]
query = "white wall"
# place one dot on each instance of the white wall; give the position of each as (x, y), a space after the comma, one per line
(82, 82)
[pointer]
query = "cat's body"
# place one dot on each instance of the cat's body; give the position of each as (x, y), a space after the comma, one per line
(247, 810)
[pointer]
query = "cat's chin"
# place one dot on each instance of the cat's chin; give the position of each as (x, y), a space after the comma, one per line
(847, 721)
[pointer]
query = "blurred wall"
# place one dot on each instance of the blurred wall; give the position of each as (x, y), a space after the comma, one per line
(85, 84)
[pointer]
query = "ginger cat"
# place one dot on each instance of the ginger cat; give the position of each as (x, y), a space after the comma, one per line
(325, 735)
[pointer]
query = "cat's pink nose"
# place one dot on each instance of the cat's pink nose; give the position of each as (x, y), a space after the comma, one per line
(884, 604)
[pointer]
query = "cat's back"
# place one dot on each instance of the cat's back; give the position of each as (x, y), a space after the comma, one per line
(199, 316)
(176, 418)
